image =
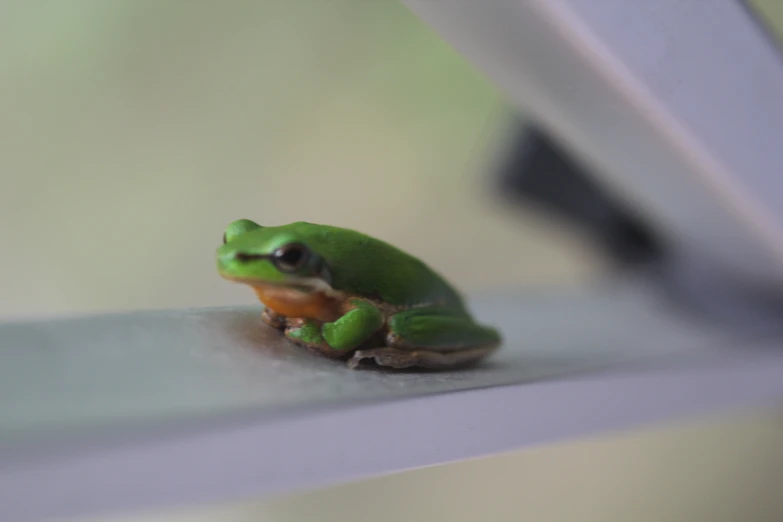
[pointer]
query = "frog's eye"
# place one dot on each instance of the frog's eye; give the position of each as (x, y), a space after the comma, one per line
(291, 257)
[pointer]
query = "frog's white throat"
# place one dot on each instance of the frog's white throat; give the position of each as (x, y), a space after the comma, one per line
(315, 285)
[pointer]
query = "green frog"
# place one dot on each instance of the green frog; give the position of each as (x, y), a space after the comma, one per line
(350, 296)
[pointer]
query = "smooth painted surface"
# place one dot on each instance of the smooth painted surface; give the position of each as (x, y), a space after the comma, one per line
(160, 409)
(164, 366)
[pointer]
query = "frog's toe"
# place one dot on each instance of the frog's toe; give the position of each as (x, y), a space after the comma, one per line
(321, 348)
(307, 333)
(274, 319)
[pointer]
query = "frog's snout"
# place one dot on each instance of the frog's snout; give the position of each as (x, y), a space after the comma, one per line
(226, 259)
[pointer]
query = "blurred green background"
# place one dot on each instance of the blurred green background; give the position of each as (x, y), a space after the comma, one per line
(133, 131)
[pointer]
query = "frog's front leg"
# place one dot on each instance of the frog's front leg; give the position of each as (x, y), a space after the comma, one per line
(340, 337)
(434, 338)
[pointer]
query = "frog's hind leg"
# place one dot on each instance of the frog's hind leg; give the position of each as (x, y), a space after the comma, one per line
(432, 338)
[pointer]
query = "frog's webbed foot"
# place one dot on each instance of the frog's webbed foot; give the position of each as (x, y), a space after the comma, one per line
(400, 359)
(274, 319)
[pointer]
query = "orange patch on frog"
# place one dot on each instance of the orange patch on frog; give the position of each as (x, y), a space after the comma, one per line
(292, 303)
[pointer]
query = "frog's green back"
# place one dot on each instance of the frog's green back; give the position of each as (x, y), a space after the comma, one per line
(370, 267)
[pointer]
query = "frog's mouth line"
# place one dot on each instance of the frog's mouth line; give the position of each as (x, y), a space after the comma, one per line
(301, 287)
